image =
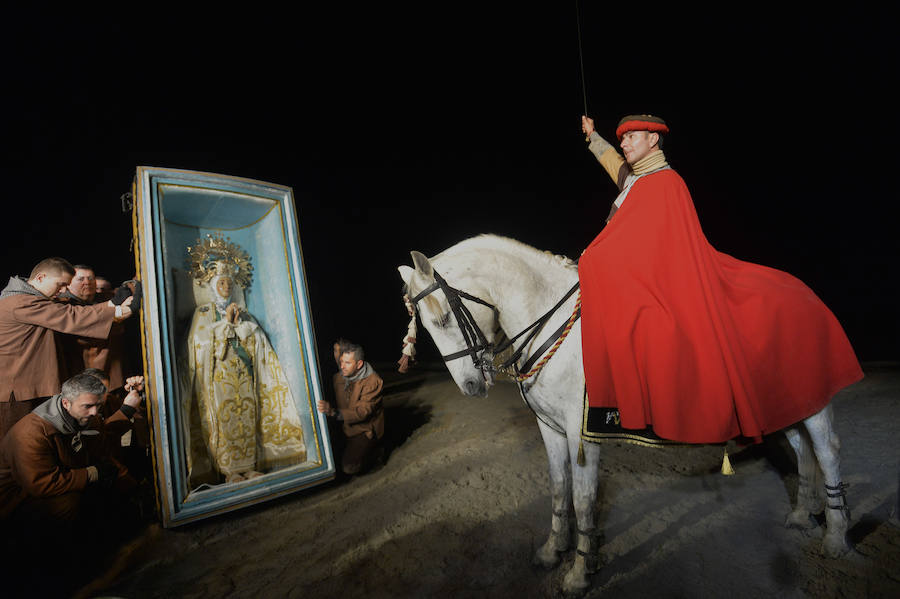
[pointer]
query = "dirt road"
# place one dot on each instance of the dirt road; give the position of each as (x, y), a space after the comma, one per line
(462, 503)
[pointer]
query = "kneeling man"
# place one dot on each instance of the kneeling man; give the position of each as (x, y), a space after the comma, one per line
(357, 393)
(52, 456)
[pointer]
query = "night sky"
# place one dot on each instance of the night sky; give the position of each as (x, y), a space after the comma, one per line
(414, 129)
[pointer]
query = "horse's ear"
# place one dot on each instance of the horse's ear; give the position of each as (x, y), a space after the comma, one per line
(406, 273)
(422, 264)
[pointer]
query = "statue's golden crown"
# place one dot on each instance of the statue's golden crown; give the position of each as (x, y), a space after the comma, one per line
(205, 256)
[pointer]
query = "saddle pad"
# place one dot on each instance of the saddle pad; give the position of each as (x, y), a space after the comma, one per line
(602, 424)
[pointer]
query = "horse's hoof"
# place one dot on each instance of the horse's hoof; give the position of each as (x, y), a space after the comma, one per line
(546, 558)
(835, 546)
(800, 519)
(575, 583)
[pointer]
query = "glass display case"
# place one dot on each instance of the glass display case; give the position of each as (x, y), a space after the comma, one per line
(228, 343)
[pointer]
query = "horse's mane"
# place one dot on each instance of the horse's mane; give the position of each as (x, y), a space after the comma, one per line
(499, 243)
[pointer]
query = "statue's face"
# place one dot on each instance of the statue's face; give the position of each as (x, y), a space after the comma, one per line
(224, 286)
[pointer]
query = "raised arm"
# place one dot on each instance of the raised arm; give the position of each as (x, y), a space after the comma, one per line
(611, 161)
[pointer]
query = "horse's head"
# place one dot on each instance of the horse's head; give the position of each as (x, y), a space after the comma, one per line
(463, 332)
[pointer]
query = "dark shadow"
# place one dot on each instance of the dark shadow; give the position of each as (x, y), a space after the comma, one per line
(404, 386)
(402, 416)
(86, 546)
(777, 452)
(774, 449)
(863, 528)
(870, 522)
(784, 570)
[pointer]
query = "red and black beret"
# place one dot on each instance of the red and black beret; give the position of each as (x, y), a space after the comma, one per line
(641, 122)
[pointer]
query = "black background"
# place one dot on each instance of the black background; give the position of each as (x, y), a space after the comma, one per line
(414, 128)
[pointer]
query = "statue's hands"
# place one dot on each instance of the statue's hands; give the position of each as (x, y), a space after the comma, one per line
(232, 312)
(587, 125)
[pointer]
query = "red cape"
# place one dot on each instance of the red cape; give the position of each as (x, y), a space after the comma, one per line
(698, 345)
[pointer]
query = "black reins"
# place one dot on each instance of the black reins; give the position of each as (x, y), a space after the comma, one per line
(536, 327)
(477, 346)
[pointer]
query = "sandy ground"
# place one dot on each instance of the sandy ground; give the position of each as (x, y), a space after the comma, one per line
(461, 504)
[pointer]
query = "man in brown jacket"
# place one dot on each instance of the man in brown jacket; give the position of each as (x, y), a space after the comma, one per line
(357, 393)
(31, 362)
(83, 352)
(57, 489)
(52, 455)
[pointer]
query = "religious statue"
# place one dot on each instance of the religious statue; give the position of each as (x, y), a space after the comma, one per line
(239, 415)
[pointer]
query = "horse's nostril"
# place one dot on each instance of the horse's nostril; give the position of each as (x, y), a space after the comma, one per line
(472, 387)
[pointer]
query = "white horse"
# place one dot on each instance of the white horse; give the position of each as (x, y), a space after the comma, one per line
(518, 284)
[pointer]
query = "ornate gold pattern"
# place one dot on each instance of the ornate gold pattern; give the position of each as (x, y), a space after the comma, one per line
(248, 418)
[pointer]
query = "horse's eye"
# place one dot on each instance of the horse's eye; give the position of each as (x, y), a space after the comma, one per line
(443, 321)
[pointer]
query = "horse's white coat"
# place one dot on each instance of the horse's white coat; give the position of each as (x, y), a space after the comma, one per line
(523, 283)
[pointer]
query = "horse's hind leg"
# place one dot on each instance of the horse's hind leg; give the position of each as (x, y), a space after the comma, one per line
(809, 501)
(827, 447)
(560, 494)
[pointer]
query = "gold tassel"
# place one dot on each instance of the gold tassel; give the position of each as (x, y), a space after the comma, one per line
(727, 470)
(580, 459)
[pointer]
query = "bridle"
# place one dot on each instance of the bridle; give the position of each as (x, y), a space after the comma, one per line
(478, 348)
(477, 345)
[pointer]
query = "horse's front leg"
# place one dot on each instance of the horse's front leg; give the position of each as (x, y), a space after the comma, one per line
(560, 497)
(585, 481)
(837, 514)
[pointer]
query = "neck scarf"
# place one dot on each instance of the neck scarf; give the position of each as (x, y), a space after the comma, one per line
(362, 373)
(649, 163)
(53, 412)
(18, 285)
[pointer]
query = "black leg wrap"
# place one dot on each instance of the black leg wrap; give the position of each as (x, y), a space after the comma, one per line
(592, 536)
(591, 556)
(559, 514)
(838, 492)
